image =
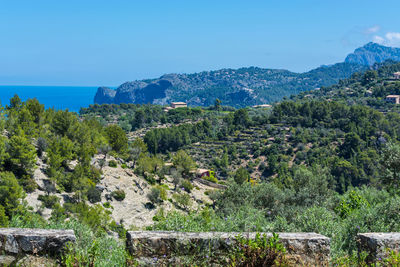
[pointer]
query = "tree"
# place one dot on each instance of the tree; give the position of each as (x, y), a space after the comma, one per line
(64, 123)
(3, 152)
(22, 154)
(10, 192)
(241, 175)
(241, 118)
(35, 108)
(116, 138)
(182, 160)
(217, 104)
(15, 103)
(369, 76)
(352, 144)
(390, 165)
(137, 148)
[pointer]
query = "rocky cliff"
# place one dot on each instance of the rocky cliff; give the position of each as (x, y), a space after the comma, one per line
(372, 53)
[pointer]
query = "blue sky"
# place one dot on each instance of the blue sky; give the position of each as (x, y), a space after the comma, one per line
(109, 42)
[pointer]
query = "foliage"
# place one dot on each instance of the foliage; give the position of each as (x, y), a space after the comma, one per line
(183, 161)
(183, 200)
(156, 195)
(3, 217)
(241, 176)
(119, 195)
(261, 251)
(93, 195)
(112, 163)
(116, 138)
(187, 185)
(10, 193)
(49, 201)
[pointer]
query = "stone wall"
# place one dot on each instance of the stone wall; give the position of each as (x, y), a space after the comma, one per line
(158, 248)
(376, 244)
(17, 244)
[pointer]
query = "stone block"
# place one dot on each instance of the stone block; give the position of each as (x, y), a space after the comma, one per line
(162, 247)
(376, 244)
(34, 241)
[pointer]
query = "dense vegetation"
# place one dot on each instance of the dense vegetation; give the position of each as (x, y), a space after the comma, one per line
(307, 164)
(369, 88)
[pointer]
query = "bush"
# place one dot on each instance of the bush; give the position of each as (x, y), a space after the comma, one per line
(157, 194)
(107, 205)
(261, 251)
(112, 163)
(3, 217)
(187, 185)
(49, 201)
(183, 200)
(119, 195)
(93, 195)
(241, 175)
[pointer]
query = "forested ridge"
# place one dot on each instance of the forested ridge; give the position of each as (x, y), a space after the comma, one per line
(325, 163)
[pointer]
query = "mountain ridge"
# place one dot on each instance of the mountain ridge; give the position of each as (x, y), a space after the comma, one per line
(244, 86)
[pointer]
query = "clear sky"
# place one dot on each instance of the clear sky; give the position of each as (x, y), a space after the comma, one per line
(109, 42)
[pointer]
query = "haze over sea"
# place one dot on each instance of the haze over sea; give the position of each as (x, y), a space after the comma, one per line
(58, 97)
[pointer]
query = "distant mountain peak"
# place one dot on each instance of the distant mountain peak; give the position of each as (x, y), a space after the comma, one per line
(372, 53)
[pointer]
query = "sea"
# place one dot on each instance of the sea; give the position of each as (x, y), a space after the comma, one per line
(57, 97)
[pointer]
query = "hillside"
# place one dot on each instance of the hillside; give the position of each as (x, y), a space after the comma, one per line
(130, 166)
(242, 87)
(369, 88)
(234, 87)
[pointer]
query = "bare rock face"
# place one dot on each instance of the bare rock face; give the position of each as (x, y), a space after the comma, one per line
(17, 242)
(157, 248)
(376, 244)
(104, 95)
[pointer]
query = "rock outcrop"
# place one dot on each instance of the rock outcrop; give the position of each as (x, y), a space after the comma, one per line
(372, 53)
(104, 95)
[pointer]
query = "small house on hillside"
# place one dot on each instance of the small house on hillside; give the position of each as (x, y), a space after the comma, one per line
(200, 173)
(396, 75)
(178, 105)
(175, 105)
(262, 106)
(395, 99)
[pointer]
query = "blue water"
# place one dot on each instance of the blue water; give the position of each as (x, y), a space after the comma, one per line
(58, 97)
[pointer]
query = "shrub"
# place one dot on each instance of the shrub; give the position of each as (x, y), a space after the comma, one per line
(107, 205)
(119, 195)
(49, 201)
(93, 195)
(154, 195)
(241, 175)
(187, 185)
(124, 166)
(212, 179)
(3, 217)
(261, 251)
(112, 163)
(183, 200)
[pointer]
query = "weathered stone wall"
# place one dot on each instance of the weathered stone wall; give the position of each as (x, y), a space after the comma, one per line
(17, 243)
(164, 248)
(376, 244)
